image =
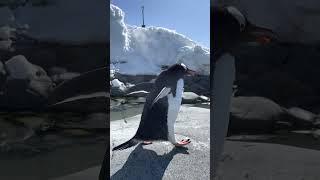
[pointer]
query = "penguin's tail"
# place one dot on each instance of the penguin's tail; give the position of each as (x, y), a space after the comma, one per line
(127, 144)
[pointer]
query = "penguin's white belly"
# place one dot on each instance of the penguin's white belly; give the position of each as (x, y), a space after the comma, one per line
(174, 104)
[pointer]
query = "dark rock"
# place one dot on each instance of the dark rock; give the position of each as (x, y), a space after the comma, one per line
(254, 115)
(277, 72)
(118, 88)
(198, 84)
(138, 100)
(87, 83)
(301, 118)
(17, 95)
(316, 134)
(76, 58)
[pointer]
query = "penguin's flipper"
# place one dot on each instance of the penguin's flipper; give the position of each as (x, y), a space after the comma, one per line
(126, 145)
(164, 92)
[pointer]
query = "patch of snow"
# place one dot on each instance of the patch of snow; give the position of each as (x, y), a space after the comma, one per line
(117, 83)
(136, 50)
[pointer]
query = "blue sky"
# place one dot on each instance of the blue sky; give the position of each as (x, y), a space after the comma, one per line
(188, 17)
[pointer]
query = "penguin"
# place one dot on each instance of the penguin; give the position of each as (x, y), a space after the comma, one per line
(161, 109)
(231, 28)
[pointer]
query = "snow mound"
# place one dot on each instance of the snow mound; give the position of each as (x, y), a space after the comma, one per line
(136, 50)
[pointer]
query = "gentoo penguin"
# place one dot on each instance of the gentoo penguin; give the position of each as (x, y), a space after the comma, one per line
(230, 29)
(161, 108)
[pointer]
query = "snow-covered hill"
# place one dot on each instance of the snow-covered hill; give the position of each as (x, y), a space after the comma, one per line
(137, 50)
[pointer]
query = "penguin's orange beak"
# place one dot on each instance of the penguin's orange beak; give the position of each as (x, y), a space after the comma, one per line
(259, 35)
(191, 72)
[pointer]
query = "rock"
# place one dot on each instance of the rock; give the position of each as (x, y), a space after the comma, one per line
(27, 85)
(18, 95)
(19, 68)
(138, 100)
(144, 86)
(189, 97)
(117, 83)
(198, 84)
(87, 83)
(276, 72)
(316, 134)
(204, 98)
(254, 114)
(301, 118)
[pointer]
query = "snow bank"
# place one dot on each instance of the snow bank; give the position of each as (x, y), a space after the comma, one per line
(294, 21)
(71, 21)
(119, 32)
(137, 50)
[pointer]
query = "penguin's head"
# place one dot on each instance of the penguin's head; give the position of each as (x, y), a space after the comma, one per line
(232, 29)
(248, 32)
(180, 70)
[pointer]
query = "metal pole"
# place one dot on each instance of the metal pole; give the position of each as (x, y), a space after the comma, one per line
(143, 17)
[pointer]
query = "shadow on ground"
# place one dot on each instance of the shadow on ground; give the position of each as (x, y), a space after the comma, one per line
(290, 139)
(145, 164)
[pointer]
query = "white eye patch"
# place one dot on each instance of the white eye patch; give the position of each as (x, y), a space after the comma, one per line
(239, 16)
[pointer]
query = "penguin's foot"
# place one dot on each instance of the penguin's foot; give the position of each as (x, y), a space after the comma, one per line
(183, 142)
(146, 142)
